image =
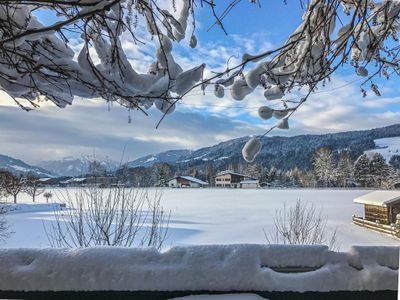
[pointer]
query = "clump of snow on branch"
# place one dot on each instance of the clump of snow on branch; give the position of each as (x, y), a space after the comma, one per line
(40, 62)
(251, 149)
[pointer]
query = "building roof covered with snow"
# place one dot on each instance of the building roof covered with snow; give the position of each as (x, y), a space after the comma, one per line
(379, 198)
(193, 179)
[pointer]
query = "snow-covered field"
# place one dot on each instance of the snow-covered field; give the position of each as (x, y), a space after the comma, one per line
(218, 216)
(387, 147)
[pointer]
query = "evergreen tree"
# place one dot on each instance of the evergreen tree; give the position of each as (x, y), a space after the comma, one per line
(272, 175)
(264, 176)
(395, 161)
(292, 176)
(210, 174)
(307, 179)
(391, 179)
(362, 171)
(379, 170)
(324, 166)
(253, 170)
(162, 173)
(345, 169)
(194, 172)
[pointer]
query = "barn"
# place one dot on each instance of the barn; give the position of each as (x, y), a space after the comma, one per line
(186, 181)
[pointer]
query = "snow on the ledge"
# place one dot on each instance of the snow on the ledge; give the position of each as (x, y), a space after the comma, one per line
(222, 297)
(224, 268)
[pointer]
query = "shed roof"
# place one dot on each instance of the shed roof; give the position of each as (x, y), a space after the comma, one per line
(379, 198)
(193, 179)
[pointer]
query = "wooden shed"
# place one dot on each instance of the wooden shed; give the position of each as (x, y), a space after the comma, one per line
(380, 206)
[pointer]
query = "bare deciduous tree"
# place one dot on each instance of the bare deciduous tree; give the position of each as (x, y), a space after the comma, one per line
(47, 195)
(33, 187)
(37, 61)
(301, 224)
(12, 184)
(117, 216)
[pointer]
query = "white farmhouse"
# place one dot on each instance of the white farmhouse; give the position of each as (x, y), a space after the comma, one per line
(230, 179)
(186, 181)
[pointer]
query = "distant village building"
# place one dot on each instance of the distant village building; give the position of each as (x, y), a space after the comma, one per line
(73, 182)
(48, 180)
(249, 184)
(186, 181)
(230, 179)
(381, 211)
(101, 181)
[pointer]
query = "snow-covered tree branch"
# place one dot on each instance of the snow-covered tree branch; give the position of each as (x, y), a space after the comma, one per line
(38, 61)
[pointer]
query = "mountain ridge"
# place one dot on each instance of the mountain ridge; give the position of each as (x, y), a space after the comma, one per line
(19, 167)
(281, 152)
(286, 152)
(168, 156)
(70, 166)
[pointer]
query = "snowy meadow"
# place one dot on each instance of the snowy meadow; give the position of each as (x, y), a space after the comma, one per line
(215, 216)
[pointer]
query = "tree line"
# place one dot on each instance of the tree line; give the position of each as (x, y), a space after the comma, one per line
(340, 170)
(329, 169)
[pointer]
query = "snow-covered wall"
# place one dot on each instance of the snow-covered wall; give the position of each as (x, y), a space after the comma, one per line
(210, 268)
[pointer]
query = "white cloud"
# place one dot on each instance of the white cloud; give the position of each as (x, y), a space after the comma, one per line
(339, 107)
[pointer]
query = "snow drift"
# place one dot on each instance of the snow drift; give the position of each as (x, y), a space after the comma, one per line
(209, 268)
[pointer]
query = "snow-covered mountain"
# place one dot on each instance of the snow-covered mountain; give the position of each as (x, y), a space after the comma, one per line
(70, 166)
(284, 153)
(281, 152)
(387, 147)
(170, 156)
(19, 167)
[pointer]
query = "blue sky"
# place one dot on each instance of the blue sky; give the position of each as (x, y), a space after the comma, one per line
(91, 126)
